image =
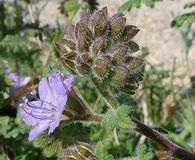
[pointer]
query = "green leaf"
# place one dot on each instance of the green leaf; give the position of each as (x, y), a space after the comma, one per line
(187, 19)
(21, 53)
(189, 5)
(118, 118)
(141, 151)
(40, 142)
(50, 150)
(149, 3)
(126, 6)
(69, 8)
(143, 154)
(135, 3)
(102, 152)
(59, 149)
(4, 120)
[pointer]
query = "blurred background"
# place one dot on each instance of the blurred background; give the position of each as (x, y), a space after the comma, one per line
(165, 100)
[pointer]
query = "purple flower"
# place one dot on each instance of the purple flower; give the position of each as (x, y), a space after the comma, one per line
(18, 80)
(51, 26)
(62, 26)
(46, 112)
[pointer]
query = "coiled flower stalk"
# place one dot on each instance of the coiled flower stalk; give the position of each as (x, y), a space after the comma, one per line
(101, 47)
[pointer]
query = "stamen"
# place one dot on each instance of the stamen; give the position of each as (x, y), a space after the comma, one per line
(39, 115)
(40, 108)
(53, 107)
(25, 100)
(42, 116)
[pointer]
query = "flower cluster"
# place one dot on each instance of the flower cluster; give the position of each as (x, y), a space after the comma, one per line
(46, 112)
(102, 47)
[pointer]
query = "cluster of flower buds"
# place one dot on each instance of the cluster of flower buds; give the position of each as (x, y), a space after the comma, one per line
(102, 47)
(79, 152)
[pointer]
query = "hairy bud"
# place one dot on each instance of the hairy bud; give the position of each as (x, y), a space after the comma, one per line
(119, 52)
(70, 44)
(79, 152)
(117, 23)
(99, 44)
(129, 32)
(121, 75)
(99, 22)
(101, 67)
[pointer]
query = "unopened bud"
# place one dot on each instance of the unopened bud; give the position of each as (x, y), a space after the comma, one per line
(128, 89)
(133, 47)
(99, 22)
(71, 31)
(134, 63)
(82, 29)
(70, 44)
(82, 45)
(86, 58)
(129, 32)
(119, 52)
(117, 23)
(99, 44)
(70, 56)
(85, 16)
(101, 67)
(121, 75)
(82, 67)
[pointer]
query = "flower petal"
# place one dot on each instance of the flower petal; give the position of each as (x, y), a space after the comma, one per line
(26, 117)
(61, 105)
(57, 87)
(45, 91)
(36, 131)
(68, 83)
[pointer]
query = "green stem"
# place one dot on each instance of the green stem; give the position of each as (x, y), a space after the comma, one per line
(109, 99)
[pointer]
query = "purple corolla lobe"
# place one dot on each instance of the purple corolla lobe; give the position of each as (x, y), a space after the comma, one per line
(46, 111)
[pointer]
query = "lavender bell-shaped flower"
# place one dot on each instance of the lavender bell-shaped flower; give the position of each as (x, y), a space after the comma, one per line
(46, 112)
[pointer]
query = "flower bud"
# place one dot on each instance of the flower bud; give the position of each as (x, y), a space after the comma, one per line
(133, 62)
(70, 56)
(99, 22)
(129, 89)
(119, 52)
(121, 75)
(82, 30)
(85, 17)
(79, 152)
(84, 151)
(71, 31)
(70, 44)
(85, 57)
(82, 67)
(82, 45)
(117, 23)
(133, 47)
(101, 67)
(129, 32)
(99, 44)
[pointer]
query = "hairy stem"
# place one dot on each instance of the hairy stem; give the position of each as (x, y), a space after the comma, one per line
(109, 99)
(171, 148)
